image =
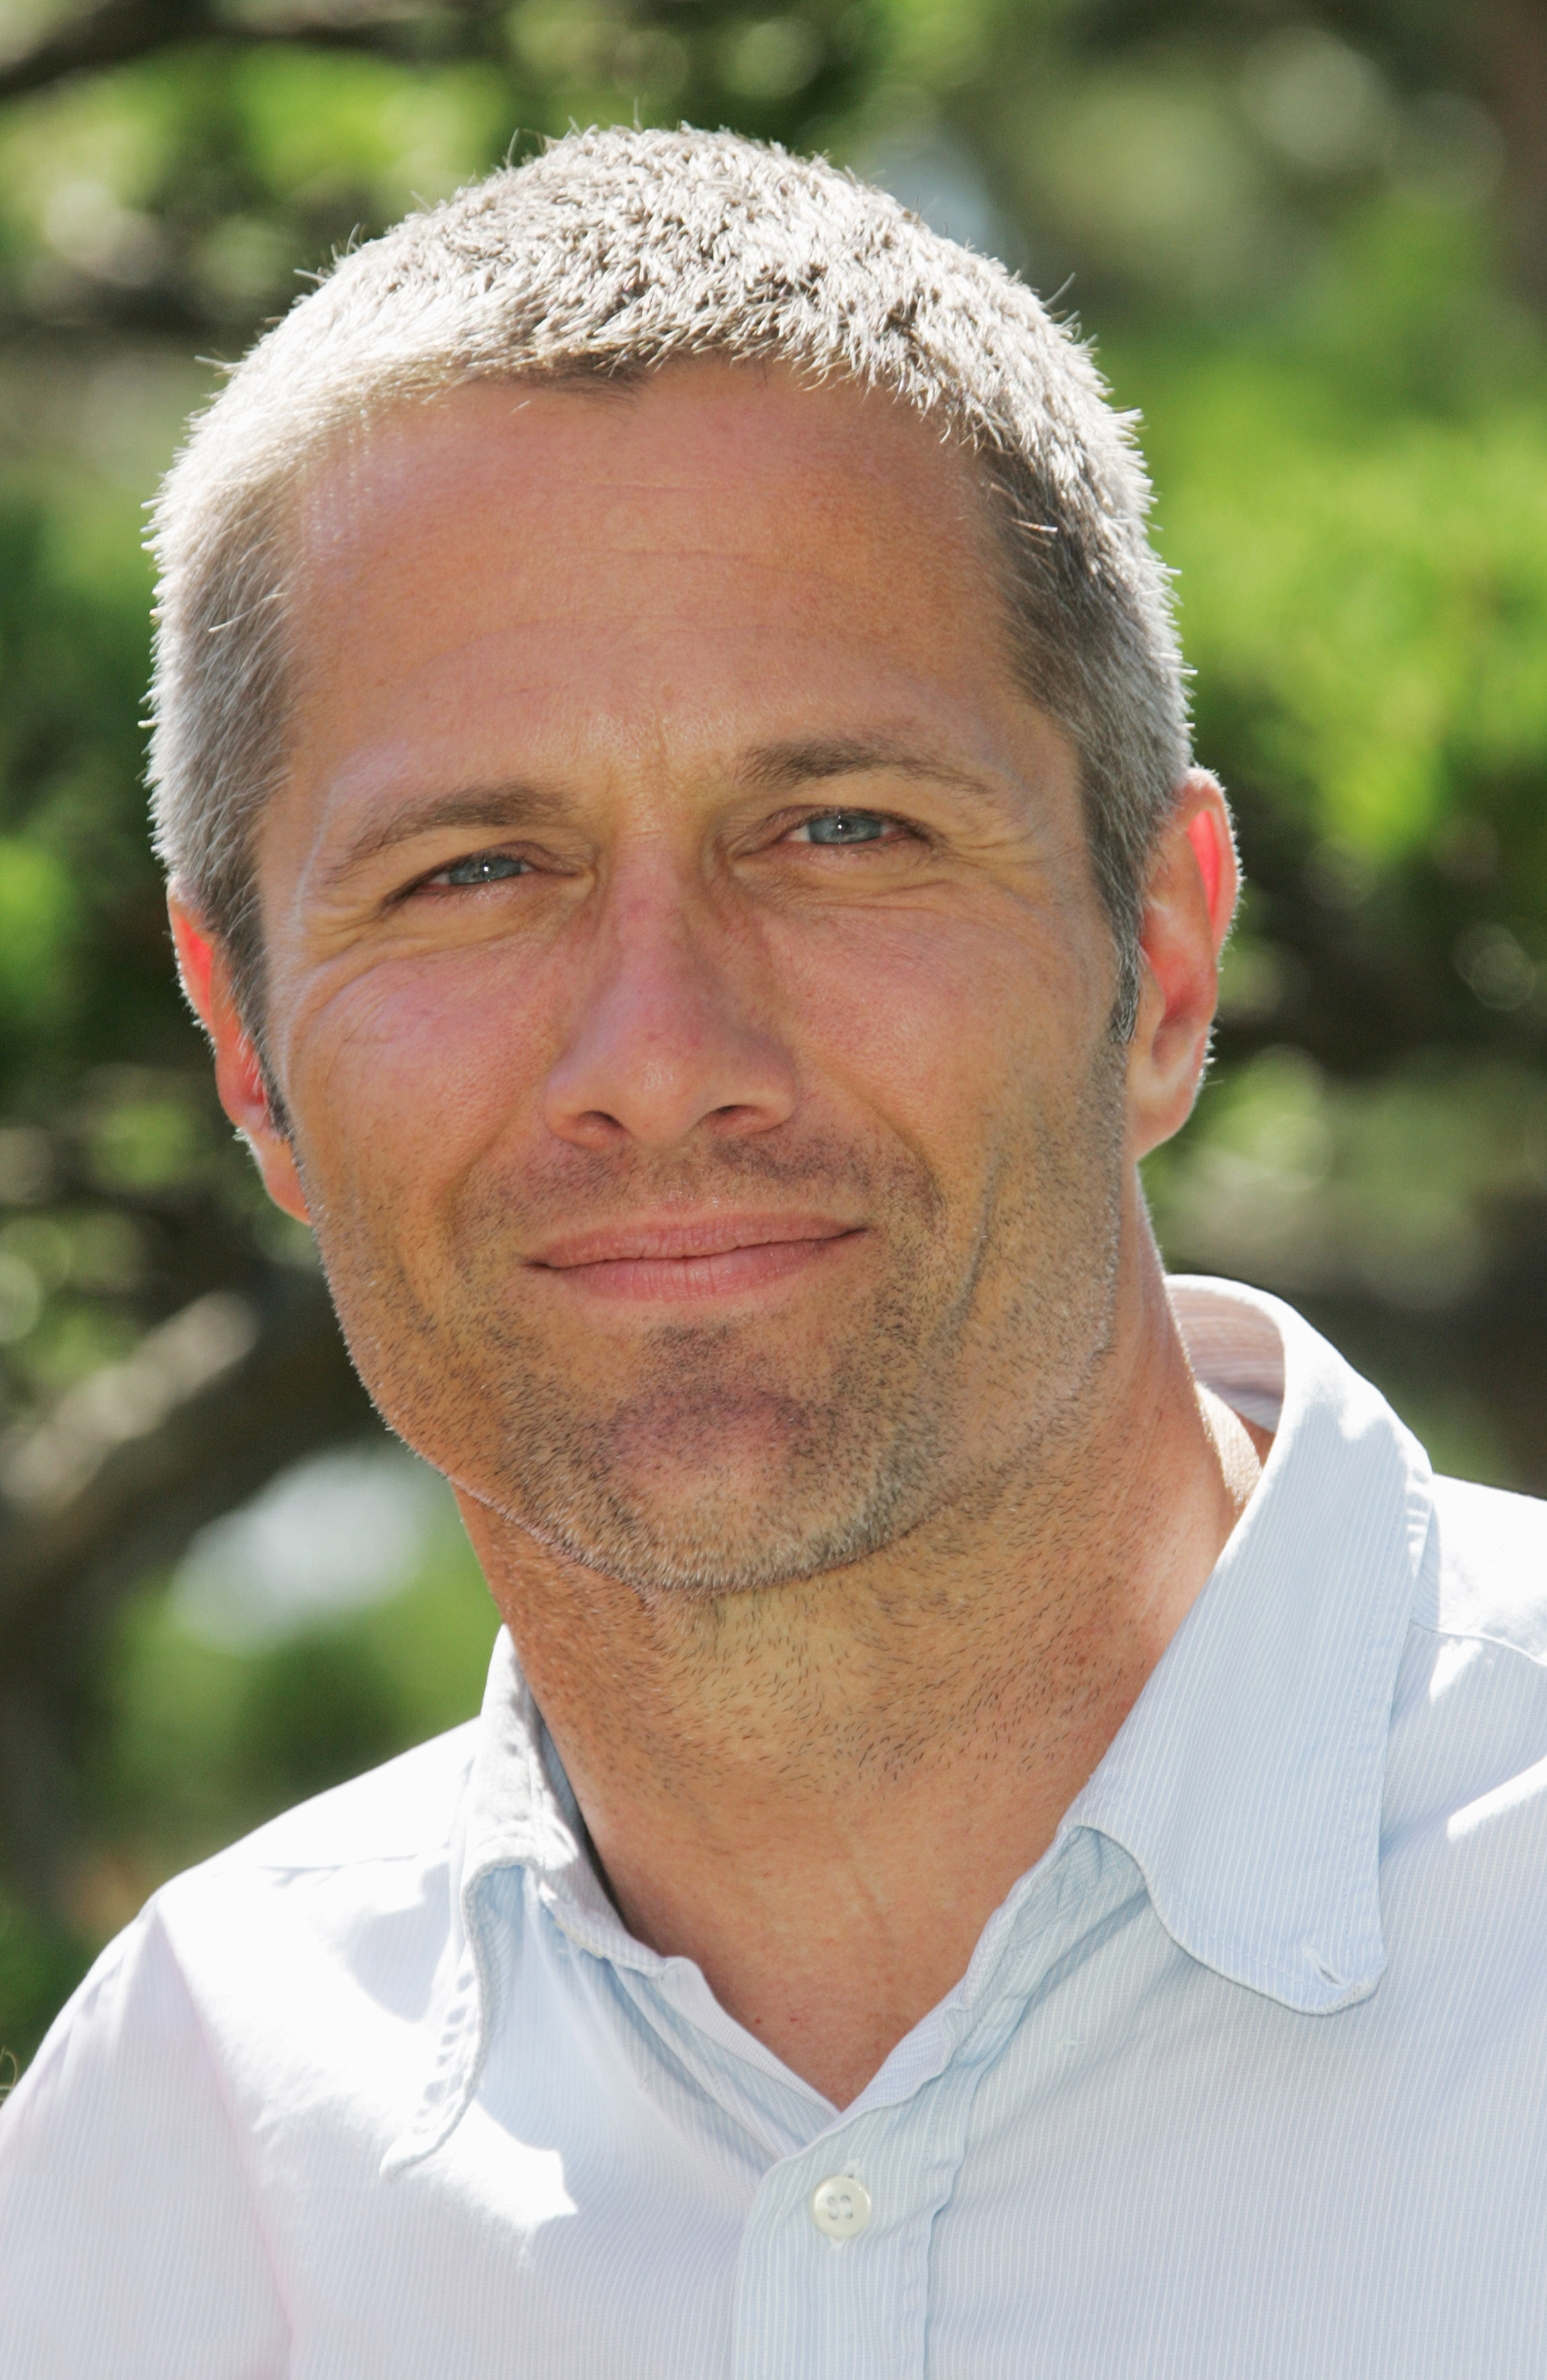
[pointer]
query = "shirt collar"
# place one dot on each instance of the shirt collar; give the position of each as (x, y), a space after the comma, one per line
(518, 1813)
(1246, 1783)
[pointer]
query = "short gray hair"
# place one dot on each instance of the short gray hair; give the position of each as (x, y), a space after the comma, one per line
(616, 252)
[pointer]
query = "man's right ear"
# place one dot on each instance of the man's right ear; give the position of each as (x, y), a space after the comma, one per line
(206, 978)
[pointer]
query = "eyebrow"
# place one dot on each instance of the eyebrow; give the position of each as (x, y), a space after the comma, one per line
(783, 768)
(766, 769)
(497, 807)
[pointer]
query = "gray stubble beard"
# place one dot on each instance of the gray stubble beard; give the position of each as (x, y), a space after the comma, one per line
(851, 1470)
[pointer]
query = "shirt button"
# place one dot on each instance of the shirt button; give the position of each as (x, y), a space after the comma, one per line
(840, 2206)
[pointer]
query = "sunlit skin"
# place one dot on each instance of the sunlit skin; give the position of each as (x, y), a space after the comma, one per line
(689, 999)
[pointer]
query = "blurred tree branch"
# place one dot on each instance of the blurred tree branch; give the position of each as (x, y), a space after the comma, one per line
(111, 1485)
(122, 32)
(1514, 50)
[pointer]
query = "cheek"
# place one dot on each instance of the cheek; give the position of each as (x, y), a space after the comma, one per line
(951, 1030)
(406, 1075)
(949, 1026)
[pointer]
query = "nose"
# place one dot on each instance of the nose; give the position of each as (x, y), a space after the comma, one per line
(666, 1040)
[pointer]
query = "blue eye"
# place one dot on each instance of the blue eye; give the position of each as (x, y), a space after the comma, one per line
(483, 868)
(845, 826)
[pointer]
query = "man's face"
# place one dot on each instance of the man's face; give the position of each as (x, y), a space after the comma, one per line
(686, 980)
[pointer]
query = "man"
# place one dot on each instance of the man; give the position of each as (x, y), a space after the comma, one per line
(1006, 1831)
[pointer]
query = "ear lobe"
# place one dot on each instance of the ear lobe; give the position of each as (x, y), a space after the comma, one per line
(206, 978)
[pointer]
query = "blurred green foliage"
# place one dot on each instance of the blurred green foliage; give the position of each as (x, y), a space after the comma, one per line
(1310, 246)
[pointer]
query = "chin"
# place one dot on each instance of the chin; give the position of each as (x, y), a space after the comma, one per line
(699, 1483)
(700, 1530)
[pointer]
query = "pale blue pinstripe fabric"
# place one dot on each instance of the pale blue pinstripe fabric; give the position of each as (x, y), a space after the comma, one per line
(1248, 2077)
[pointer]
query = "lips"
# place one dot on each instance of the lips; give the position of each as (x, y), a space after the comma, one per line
(706, 1256)
(682, 1240)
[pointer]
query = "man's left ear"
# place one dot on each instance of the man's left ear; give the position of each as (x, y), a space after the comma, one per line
(1190, 900)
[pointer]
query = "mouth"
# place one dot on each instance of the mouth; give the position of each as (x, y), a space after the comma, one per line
(684, 1259)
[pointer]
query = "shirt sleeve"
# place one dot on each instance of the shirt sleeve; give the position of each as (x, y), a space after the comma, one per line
(129, 2242)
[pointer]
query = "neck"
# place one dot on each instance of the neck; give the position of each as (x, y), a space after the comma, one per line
(777, 1780)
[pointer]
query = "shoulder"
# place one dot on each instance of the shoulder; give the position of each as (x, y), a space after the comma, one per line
(1490, 1579)
(283, 1936)
(348, 1894)
(1466, 1772)
(405, 1809)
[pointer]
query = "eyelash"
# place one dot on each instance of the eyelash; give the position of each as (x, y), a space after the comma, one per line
(515, 865)
(881, 820)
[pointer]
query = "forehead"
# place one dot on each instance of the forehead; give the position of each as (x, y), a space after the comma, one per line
(735, 445)
(705, 553)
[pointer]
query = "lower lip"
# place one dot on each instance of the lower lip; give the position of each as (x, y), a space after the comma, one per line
(730, 1273)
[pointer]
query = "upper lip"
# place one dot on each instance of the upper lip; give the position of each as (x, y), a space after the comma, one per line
(678, 1237)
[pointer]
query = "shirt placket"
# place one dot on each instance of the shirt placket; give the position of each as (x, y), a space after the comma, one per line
(851, 2301)
(834, 2307)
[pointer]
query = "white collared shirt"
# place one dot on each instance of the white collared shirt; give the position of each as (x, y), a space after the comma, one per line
(1247, 2077)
